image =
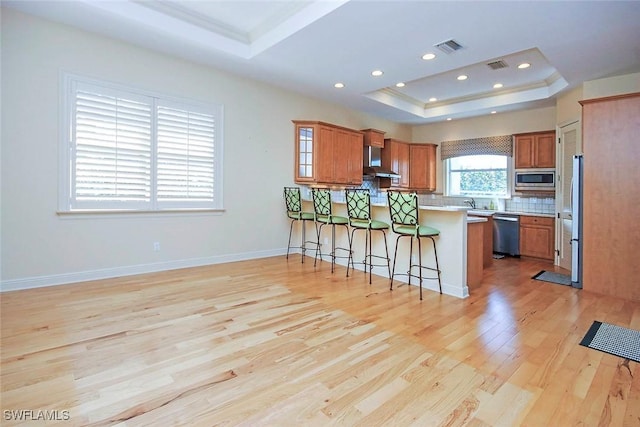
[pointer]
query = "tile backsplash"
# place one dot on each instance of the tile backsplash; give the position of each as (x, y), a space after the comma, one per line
(540, 205)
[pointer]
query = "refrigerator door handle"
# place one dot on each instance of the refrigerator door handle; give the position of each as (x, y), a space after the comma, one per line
(571, 197)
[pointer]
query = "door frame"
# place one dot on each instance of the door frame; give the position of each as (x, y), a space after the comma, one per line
(562, 175)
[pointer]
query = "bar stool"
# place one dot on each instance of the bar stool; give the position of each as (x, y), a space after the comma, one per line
(293, 204)
(324, 216)
(359, 210)
(403, 210)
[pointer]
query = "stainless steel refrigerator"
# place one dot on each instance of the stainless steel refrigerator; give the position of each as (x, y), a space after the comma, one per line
(576, 222)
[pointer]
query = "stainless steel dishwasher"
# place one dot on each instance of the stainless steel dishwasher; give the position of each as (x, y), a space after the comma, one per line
(506, 234)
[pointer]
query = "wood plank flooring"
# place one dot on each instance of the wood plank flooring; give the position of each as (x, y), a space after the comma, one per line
(273, 342)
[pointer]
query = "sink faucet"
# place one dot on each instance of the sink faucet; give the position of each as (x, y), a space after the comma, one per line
(471, 203)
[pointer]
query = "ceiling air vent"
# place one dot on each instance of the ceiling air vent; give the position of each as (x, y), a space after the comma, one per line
(496, 65)
(449, 46)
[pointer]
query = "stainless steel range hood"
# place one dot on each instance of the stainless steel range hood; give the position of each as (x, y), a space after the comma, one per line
(372, 166)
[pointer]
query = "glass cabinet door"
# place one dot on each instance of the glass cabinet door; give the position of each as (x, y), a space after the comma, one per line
(305, 152)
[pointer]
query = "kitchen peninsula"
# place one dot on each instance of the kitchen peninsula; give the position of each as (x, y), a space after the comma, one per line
(452, 244)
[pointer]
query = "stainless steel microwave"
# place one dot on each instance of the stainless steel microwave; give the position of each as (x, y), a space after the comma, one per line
(535, 179)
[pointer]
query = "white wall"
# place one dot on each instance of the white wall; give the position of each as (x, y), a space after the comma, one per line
(491, 125)
(40, 247)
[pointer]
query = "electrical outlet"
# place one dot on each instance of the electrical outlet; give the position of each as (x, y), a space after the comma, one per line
(156, 246)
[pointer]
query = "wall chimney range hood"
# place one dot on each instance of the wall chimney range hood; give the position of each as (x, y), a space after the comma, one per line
(372, 166)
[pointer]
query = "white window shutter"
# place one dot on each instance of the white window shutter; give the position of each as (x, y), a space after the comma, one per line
(112, 150)
(185, 157)
(127, 149)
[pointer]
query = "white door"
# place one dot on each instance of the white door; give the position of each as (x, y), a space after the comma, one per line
(569, 146)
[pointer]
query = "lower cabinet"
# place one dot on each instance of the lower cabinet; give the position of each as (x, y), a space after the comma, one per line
(487, 247)
(475, 254)
(537, 237)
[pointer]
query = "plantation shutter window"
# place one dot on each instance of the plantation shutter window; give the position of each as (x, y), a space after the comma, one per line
(185, 155)
(112, 149)
(131, 150)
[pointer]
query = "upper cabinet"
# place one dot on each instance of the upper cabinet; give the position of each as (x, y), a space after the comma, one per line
(415, 163)
(327, 154)
(373, 137)
(395, 157)
(535, 150)
(422, 167)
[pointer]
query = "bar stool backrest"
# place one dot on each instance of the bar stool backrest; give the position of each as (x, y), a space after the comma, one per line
(293, 202)
(358, 204)
(321, 202)
(403, 208)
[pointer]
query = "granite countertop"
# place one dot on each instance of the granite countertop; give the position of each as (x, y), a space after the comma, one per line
(483, 212)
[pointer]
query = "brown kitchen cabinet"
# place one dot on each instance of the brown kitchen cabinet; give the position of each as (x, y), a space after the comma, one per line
(327, 154)
(395, 157)
(487, 248)
(373, 137)
(475, 261)
(535, 150)
(537, 237)
(422, 167)
(415, 163)
(610, 129)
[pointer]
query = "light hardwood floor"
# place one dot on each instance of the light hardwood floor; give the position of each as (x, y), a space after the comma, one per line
(273, 342)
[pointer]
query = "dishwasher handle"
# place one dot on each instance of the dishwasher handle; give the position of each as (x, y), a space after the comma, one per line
(506, 218)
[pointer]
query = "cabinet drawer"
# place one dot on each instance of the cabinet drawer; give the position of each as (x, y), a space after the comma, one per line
(537, 220)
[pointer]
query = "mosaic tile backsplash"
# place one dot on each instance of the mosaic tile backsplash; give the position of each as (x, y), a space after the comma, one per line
(539, 205)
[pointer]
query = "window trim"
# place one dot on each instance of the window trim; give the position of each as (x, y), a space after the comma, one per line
(446, 170)
(65, 156)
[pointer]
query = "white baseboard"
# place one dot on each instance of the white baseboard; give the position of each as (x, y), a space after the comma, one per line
(107, 273)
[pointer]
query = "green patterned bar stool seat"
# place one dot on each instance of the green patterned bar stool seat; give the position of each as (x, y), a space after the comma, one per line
(359, 211)
(324, 216)
(293, 204)
(403, 210)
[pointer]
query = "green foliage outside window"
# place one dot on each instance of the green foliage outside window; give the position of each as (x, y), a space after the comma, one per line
(483, 182)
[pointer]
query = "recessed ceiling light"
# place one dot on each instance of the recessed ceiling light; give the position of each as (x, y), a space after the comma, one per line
(433, 99)
(462, 77)
(338, 85)
(428, 56)
(497, 85)
(400, 84)
(524, 65)
(377, 73)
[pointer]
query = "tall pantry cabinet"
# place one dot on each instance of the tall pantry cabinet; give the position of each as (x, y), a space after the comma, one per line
(611, 202)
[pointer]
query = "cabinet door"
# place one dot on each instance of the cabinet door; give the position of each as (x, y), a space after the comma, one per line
(304, 164)
(536, 150)
(524, 147)
(404, 164)
(537, 237)
(324, 151)
(373, 137)
(422, 167)
(545, 150)
(355, 158)
(395, 157)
